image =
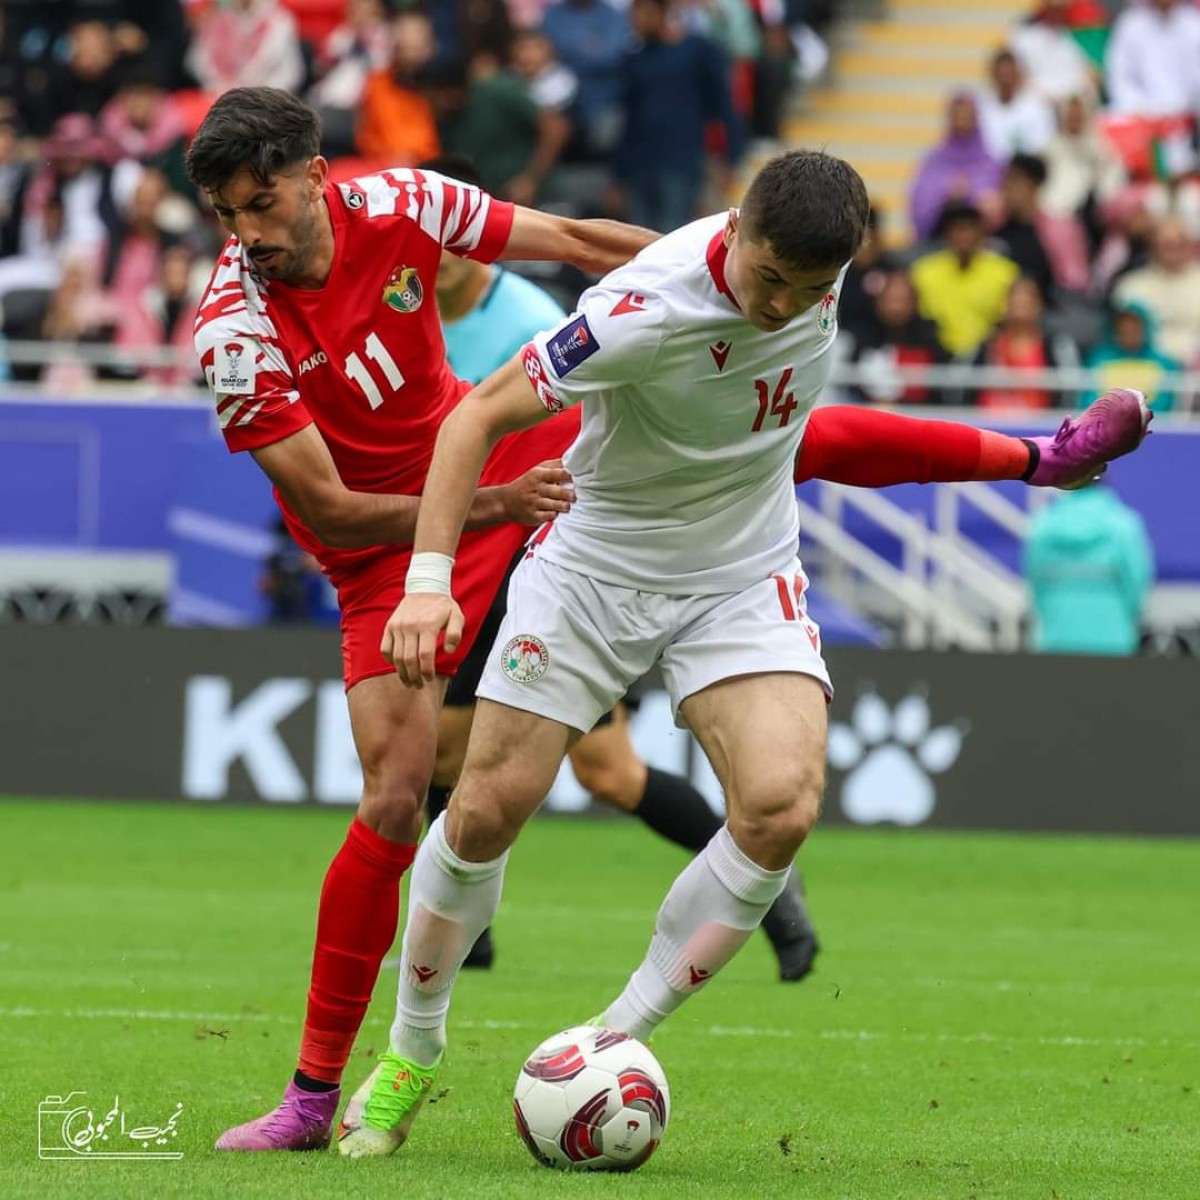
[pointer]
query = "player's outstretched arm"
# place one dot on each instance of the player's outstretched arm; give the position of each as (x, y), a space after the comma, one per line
(303, 470)
(595, 246)
(502, 403)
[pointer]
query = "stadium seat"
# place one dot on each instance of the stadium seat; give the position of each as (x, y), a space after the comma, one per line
(316, 19)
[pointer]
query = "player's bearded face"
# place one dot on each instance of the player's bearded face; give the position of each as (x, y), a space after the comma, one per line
(280, 224)
(770, 291)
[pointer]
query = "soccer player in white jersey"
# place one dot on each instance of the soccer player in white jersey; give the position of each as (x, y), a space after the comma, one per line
(698, 364)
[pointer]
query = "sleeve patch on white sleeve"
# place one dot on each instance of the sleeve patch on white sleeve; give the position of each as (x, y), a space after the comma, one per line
(572, 345)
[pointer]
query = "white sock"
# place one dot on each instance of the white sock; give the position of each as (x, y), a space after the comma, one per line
(713, 907)
(450, 903)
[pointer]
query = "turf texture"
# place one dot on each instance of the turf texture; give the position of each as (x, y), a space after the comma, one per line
(994, 1017)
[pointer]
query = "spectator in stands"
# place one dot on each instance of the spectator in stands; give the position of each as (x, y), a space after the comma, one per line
(89, 77)
(397, 121)
(247, 43)
(146, 124)
(676, 85)
(1129, 356)
(964, 288)
(14, 180)
(1150, 69)
(495, 123)
(897, 336)
(552, 86)
(1169, 288)
(1022, 344)
(1090, 566)
(773, 70)
(166, 313)
(1050, 57)
(361, 44)
(591, 37)
(1083, 169)
(869, 271)
(1018, 232)
(959, 168)
(1012, 116)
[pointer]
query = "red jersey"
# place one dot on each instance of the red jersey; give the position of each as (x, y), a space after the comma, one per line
(362, 357)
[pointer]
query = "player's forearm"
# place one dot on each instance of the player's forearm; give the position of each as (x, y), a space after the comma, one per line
(366, 519)
(451, 487)
(601, 246)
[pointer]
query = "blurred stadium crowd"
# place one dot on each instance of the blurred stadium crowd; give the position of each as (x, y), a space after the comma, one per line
(1054, 224)
(1056, 221)
(634, 110)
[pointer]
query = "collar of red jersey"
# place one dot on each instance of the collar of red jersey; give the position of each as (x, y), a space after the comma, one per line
(718, 252)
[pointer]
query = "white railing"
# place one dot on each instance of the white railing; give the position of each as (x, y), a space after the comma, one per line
(946, 589)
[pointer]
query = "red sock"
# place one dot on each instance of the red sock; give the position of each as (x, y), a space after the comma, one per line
(356, 925)
(868, 448)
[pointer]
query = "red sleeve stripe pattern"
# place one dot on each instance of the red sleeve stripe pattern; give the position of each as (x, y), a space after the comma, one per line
(235, 308)
(456, 215)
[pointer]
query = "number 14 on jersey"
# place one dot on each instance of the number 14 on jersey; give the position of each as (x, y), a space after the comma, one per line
(779, 401)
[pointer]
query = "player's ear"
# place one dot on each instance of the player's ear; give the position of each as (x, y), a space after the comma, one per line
(731, 228)
(317, 173)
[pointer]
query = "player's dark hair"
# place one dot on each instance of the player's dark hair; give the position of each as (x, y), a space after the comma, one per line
(263, 130)
(810, 207)
(454, 166)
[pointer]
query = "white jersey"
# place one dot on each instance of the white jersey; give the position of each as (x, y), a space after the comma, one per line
(692, 419)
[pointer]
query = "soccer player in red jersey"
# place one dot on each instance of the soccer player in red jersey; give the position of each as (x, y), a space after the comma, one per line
(320, 339)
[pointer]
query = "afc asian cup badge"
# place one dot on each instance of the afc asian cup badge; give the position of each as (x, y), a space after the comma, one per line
(827, 314)
(403, 290)
(525, 658)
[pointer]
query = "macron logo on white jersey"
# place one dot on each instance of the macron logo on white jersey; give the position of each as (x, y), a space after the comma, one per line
(318, 358)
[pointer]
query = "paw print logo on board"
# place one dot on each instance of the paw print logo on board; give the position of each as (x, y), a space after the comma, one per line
(891, 756)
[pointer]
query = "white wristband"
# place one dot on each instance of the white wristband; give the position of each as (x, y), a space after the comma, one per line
(429, 572)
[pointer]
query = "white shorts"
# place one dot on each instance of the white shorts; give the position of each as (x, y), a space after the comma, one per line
(571, 646)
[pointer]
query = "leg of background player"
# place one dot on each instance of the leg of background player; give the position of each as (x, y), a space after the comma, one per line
(394, 733)
(607, 765)
(454, 728)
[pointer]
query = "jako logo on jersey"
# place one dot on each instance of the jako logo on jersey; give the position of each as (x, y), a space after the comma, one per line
(403, 290)
(318, 358)
(827, 314)
(525, 658)
(573, 344)
(536, 374)
(720, 352)
(354, 198)
(631, 302)
(234, 368)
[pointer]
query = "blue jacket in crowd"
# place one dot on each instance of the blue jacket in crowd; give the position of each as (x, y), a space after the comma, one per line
(1090, 565)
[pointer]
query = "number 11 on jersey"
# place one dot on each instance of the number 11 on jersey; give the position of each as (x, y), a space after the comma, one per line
(358, 370)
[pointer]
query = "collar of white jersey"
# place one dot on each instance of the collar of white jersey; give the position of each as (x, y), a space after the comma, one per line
(718, 252)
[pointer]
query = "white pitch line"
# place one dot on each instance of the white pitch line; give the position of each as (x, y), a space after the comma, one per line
(716, 1031)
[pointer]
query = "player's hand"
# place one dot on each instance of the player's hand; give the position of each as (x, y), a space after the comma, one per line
(410, 638)
(539, 495)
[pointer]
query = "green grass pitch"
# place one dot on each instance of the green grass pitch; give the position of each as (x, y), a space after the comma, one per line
(993, 1016)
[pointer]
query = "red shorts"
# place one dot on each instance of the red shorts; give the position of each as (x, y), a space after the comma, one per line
(372, 585)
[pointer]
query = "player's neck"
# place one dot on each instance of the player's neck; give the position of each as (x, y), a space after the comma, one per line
(466, 296)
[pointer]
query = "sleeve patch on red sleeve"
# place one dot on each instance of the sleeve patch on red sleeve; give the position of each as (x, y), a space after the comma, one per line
(536, 373)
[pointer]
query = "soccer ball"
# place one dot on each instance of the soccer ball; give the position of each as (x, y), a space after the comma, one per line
(591, 1099)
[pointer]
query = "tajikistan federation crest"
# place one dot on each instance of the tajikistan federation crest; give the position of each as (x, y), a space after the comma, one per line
(525, 658)
(403, 290)
(827, 314)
